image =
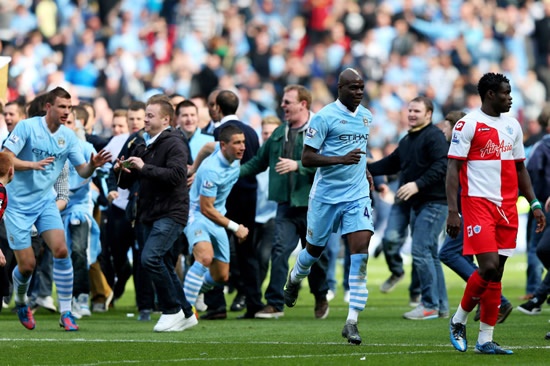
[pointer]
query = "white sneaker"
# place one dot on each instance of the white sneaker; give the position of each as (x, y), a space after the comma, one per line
(330, 295)
(175, 322)
(346, 297)
(199, 304)
(46, 302)
(82, 301)
(5, 305)
(75, 309)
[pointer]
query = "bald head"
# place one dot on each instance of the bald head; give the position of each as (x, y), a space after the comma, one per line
(348, 75)
(350, 88)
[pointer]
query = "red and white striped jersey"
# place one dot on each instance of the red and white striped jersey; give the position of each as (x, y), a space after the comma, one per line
(491, 146)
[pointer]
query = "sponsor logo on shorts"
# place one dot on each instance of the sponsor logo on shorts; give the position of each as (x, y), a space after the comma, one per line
(311, 132)
(309, 232)
(11, 238)
(477, 229)
(470, 231)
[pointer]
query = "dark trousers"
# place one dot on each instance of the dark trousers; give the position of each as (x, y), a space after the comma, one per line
(158, 258)
(118, 239)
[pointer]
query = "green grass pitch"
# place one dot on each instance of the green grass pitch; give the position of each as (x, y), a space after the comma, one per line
(114, 338)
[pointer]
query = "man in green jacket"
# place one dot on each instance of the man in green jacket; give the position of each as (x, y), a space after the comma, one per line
(289, 186)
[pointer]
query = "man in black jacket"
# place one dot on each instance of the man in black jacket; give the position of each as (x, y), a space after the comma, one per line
(421, 156)
(163, 206)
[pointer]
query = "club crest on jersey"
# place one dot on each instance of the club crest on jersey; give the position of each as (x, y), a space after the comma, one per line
(492, 148)
(60, 142)
(509, 129)
(365, 121)
(311, 132)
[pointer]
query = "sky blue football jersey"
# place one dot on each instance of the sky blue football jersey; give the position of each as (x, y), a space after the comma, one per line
(31, 140)
(335, 131)
(214, 178)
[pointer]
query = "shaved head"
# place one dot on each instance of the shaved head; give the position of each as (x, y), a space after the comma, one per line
(348, 75)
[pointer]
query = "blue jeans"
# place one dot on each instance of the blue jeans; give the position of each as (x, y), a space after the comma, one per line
(79, 236)
(159, 260)
(426, 225)
(290, 225)
(534, 265)
(394, 238)
(543, 253)
(463, 265)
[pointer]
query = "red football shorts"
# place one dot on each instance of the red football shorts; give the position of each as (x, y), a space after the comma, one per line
(487, 227)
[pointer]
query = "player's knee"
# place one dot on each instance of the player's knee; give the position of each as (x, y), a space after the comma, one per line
(205, 260)
(60, 252)
(490, 272)
(27, 268)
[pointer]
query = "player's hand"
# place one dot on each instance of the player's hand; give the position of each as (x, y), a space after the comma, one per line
(370, 180)
(406, 191)
(547, 205)
(101, 158)
(2, 259)
(541, 219)
(241, 233)
(353, 157)
(111, 196)
(121, 164)
(136, 162)
(453, 224)
(190, 179)
(285, 166)
(39, 165)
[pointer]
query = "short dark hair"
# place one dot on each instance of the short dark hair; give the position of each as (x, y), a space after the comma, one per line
(228, 102)
(544, 116)
(37, 106)
(454, 117)
(427, 102)
(136, 106)
(6, 162)
(226, 132)
(88, 105)
(81, 114)
(185, 103)
(490, 81)
(58, 92)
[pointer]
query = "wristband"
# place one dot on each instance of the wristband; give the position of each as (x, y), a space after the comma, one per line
(535, 204)
(233, 226)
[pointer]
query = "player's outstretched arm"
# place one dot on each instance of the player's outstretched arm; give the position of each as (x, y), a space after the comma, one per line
(208, 210)
(19, 164)
(453, 220)
(87, 169)
(525, 187)
(310, 158)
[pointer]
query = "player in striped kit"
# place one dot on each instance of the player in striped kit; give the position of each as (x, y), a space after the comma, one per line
(487, 155)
